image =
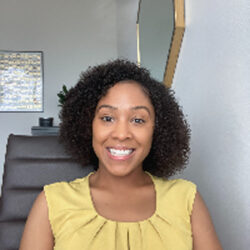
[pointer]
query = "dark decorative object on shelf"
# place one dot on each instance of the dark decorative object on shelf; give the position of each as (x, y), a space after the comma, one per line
(46, 122)
(45, 127)
(61, 95)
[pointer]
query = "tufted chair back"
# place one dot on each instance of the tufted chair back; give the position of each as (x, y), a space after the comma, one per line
(30, 163)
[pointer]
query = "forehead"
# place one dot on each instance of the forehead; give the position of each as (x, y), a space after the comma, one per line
(126, 92)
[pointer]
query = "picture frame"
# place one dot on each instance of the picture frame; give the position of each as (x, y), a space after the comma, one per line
(21, 81)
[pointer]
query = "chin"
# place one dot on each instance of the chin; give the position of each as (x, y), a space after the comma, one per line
(119, 171)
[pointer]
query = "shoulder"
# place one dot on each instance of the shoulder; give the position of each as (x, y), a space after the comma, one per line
(179, 187)
(37, 232)
(180, 184)
(40, 204)
(39, 207)
(180, 193)
(63, 189)
(62, 195)
(183, 189)
(204, 235)
(65, 184)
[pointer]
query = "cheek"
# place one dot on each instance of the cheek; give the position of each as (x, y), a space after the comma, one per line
(145, 137)
(99, 134)
(97, 144)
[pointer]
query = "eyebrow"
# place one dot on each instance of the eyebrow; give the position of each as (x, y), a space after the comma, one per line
(115, 108)
(142, 107)
(106, 106)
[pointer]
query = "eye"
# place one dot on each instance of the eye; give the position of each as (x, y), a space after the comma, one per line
(138, 121)
(107, 118)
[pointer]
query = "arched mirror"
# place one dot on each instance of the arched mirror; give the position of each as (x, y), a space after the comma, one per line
(160, 29)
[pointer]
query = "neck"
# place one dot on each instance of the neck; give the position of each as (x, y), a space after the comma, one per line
(105, 180)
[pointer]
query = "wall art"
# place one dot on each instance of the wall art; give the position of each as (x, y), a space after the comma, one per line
(21, 81)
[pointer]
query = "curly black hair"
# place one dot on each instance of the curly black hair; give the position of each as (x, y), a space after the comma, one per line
(170, 146)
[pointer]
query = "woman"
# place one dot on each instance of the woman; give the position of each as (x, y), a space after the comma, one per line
(131, 129)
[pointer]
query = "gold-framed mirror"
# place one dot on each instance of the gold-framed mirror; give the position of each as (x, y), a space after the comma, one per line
(160, 28)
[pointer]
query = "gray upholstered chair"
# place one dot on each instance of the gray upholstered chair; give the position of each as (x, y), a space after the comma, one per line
(30, 163)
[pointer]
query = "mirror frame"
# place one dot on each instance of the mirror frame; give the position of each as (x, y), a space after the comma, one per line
(176, 40)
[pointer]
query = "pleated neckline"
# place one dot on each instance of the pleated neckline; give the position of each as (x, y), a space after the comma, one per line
(125, 223)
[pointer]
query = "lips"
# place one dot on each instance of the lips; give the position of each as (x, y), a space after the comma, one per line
(120, 154)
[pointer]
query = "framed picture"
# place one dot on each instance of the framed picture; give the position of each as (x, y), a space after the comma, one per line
(21, 81)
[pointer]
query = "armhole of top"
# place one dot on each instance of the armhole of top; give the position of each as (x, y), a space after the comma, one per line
(191, 198)
(46, 189)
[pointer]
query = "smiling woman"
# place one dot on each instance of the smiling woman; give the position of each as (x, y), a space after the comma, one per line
(123, 129)
(170, 143)
(131, 128)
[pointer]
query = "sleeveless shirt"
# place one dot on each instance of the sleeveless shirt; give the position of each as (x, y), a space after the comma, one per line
(76, 225)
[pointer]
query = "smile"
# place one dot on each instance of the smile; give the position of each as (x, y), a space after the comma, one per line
(120, 152)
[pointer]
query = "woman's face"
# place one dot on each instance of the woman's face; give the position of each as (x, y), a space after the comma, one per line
(123, 129)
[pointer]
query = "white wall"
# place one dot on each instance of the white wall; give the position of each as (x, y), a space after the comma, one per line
(72, 34)
(212, 84)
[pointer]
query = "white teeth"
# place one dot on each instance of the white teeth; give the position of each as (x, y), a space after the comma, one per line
(117, 152)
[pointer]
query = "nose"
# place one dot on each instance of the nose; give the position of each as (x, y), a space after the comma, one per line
(121, 131)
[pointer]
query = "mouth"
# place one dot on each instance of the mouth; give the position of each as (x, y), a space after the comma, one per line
(120, 154)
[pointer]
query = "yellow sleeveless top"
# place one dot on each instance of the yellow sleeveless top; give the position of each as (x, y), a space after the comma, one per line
(77, 226)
